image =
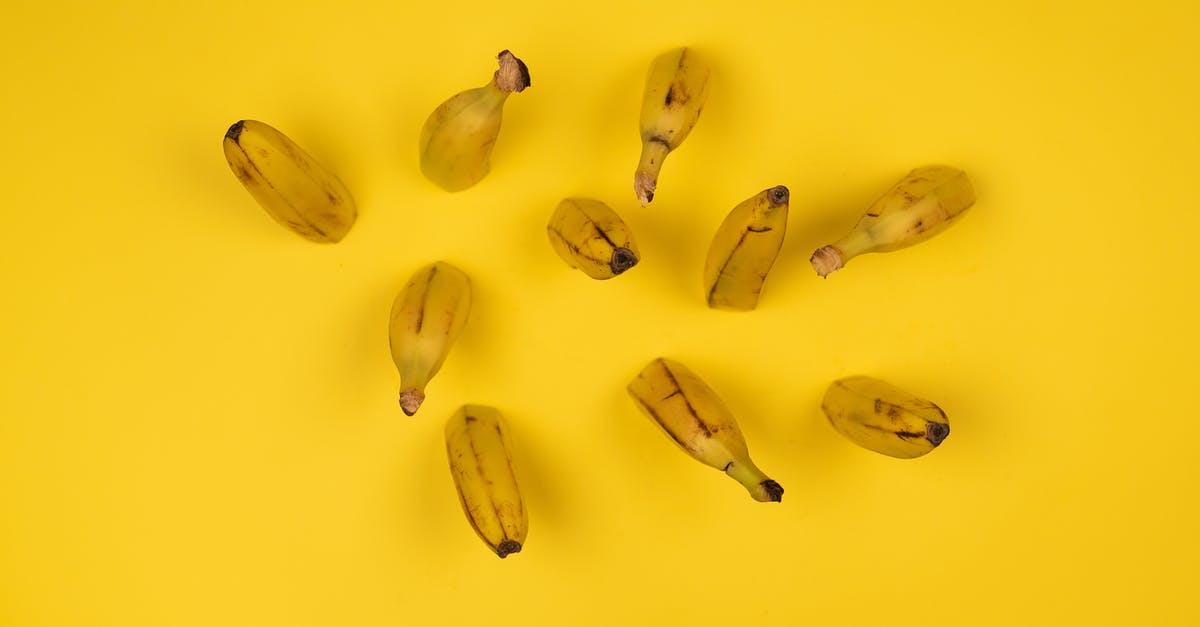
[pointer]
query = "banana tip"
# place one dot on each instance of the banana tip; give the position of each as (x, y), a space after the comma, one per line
(622, 260)
(772, 490)
(410, 401)
(778, 195)
(508, 547)
(936, 432)
(826, 260)
(235, 131)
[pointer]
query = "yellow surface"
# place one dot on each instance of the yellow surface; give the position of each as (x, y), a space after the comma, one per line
(198, 417)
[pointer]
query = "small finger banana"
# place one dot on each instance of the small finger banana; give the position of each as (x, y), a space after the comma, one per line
(294, 189)
(696, 419)
(457, 139)
(744, 249)
(920, 206)
(676, 90)
(481, 462)
(427, 317)
(590, 236)
(876, 415)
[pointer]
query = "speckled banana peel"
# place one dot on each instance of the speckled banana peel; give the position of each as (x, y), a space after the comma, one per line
(698, 421)
(289, 184)
(590, 236)
(457, 139)
(877, 415)
(921, 205)
(480, 451)
(744, 249)
(676, 90)
(427, 317)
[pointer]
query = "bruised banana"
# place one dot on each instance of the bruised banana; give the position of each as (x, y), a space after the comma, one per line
(700, 423)
(457, 139)
(294, 189)
(876, 415)
(744, 249)
(480, 452)
(676, 90)
(590, 236)
(920, 206)
(427, 317)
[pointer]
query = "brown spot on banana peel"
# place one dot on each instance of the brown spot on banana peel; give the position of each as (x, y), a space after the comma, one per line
(513, 75)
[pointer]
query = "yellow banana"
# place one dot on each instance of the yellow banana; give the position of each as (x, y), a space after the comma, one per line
(481, 462)
(676, 89)
(876, 415)
(920, 206)
(744, 249)
(427, 317)
(590, 236)
(294, 189)
(457, 139)
(700, 423)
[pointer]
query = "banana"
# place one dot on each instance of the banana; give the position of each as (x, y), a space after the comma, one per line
(700, 423)
(920, 206)
(427, 317)
(590, 236)
(744, 249)
(457, 139)
(676, 89)
(481, 462)
(294, 189)
(876, 415)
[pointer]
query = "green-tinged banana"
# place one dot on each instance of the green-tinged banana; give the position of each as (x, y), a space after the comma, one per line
(876, 415)
(427, 317)
(590, 236)
(481, 461)
(294, 189)
(457, 139)
(920, 206)
(744, 249)
(676, 89)
(700, 423)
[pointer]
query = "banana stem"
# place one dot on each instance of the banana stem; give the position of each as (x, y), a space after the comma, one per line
(828, 259)
(761, 487)
(654, 151)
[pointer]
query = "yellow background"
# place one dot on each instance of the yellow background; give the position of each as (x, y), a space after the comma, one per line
(199, 419)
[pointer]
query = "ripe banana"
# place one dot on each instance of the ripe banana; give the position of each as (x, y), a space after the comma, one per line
(676, 89)
(457, 139)
(294, 189)
(700, 423)
(876, 415)
(920, 206)
(480, 452)
(590, 236)
(427, 317)
(744, 249)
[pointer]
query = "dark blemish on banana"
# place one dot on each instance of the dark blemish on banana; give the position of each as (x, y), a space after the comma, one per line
(878, 406)
(762, 230)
